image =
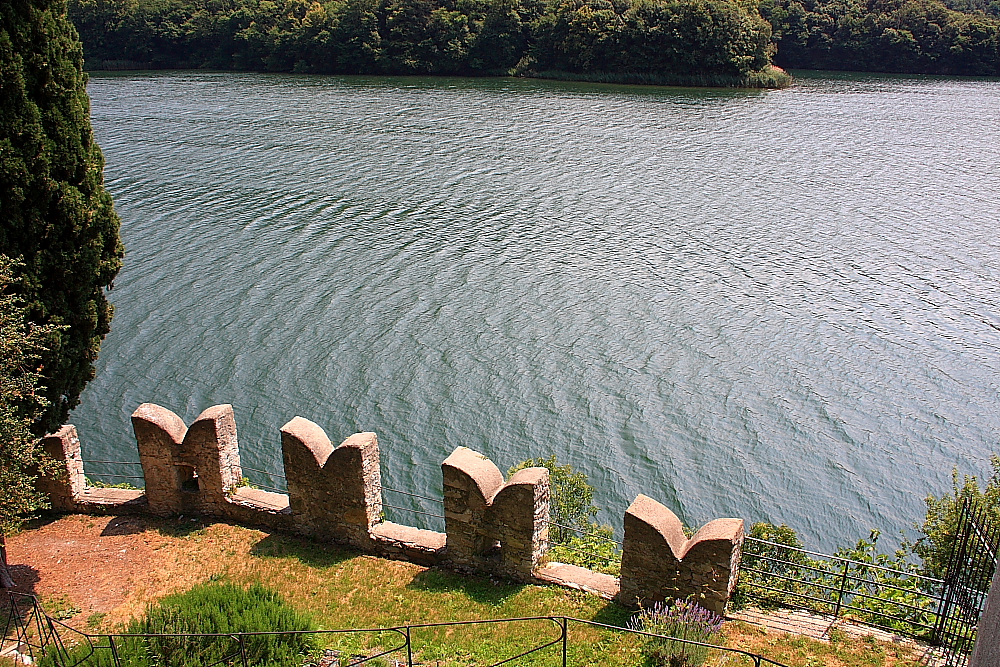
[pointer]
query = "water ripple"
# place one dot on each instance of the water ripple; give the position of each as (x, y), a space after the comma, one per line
(773, 305)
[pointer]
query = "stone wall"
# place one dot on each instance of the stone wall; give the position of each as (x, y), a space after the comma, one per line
(660, 563)
(335, 493)
(492, 525)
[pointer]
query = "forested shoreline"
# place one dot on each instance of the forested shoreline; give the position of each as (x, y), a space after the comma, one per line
(702, 42)
(705, 42)
(900, 36)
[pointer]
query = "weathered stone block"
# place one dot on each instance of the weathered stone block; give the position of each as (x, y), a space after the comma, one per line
(192, 469)
(470, 482)
(660, 563)
(520, 513)
(335, 493)
(65, 488)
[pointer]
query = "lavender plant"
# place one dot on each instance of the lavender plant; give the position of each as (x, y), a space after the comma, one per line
(682, 620)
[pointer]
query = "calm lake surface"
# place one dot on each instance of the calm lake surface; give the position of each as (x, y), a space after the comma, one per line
(778, 305)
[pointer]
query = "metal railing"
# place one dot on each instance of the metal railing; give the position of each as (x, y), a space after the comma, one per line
(887, 598)
(40, 639)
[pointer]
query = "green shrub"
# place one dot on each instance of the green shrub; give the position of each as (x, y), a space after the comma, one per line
(941, 521)
(208, 609)
(780, 575)
(595, 550)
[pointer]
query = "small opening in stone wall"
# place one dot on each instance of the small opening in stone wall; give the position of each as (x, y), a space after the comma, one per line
(187, 479)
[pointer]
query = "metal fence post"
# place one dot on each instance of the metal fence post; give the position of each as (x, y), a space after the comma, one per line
(409, 649)
(565, 635)
(243, 650)
(840, 593)
(114, 651)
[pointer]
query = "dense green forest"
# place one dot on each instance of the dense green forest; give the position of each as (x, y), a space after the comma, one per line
(697, 41)
(710, 41)
(909, 36)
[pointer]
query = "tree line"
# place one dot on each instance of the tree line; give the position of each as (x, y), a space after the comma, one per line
(905, 36)
(643, 39)
(656, 41)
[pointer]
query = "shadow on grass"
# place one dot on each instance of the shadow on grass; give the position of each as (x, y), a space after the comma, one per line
(480, 589)
(126, 524)
(613, 614)
(314, 554)
(181, 526)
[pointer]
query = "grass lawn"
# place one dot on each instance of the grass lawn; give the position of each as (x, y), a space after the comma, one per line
(341, 589)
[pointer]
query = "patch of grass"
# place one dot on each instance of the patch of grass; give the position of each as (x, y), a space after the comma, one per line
(95, 620)
(97, 484)
(341, 589)
(59, 607)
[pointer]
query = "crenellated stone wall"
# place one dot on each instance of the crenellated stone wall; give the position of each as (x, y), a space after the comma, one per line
(660, 563)
(335, 493)
(492, 525)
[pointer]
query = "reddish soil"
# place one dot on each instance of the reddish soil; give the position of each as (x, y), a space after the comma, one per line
(90, 563)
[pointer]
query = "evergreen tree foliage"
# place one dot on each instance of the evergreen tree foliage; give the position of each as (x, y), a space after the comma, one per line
(58, 220)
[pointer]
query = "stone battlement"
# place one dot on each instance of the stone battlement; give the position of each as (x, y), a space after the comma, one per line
(492, 525)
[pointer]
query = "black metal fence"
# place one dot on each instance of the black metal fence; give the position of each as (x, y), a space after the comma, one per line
(967, 582)
(895, 600)
(943, 612)
(49, 643)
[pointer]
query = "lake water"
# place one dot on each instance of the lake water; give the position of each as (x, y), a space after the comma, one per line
(779, 305)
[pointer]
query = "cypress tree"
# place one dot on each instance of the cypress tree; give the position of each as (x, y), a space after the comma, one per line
(55, 216)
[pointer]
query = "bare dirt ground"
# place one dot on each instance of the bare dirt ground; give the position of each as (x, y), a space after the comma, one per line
(88, 563)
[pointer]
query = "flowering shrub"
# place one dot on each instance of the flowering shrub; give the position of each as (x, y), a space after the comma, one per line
(683, 620)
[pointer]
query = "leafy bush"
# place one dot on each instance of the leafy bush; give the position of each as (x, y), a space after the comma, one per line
(899, 600)
(682, 619)
(941, 521)
(595, 550)
(21, 403)
(777, 566)
(575, 537)
(208, 609)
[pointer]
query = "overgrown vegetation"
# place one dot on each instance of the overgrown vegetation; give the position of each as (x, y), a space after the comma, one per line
(722, 41)
(574, 536)
(21, 458)
(58, 221)
(895, 597)
(899, 596)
